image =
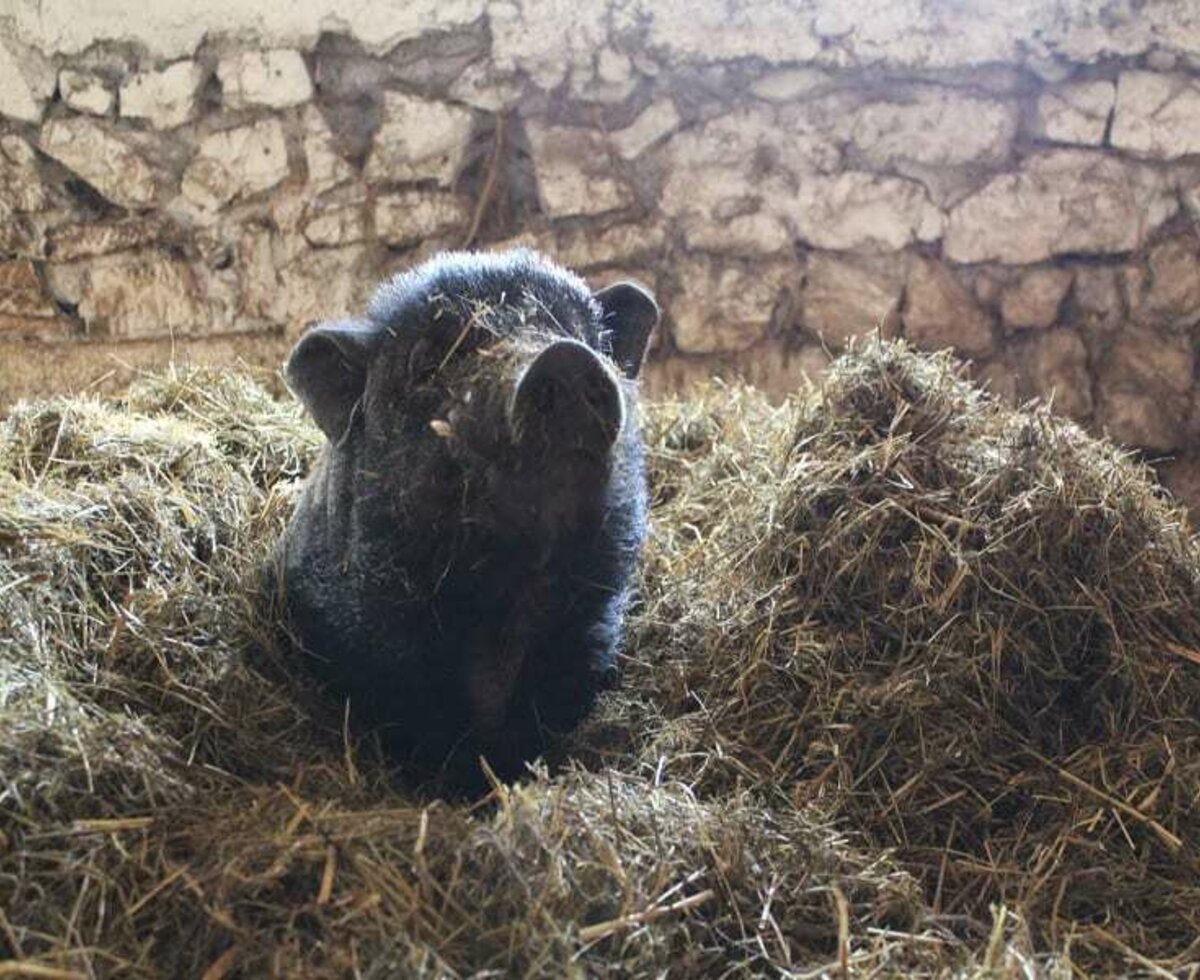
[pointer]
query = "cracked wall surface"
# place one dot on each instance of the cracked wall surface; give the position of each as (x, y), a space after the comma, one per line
(1020, 181)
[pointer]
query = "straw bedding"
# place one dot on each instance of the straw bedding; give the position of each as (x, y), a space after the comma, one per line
(910, 690)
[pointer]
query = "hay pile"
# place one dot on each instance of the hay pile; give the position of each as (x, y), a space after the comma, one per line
(971, 635)
(175, 802)
(910, 691)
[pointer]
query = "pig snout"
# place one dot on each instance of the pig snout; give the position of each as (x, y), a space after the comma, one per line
(566, 400)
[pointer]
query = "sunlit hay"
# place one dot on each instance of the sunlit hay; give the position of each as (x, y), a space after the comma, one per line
(175, 800)
(271, 439)
(134, 540)
(970, 634)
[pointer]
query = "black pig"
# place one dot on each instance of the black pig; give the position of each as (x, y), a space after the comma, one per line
(460, 559)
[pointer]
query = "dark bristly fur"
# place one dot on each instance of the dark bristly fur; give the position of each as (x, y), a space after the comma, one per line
(460, 560)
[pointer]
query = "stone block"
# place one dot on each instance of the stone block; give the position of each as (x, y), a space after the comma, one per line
(573, 171)
(773, 30)
(141, 294)
(21, 291)
(409, 217)
(864, 212)
(338, 224)
(936, 126)
(1053, 365)
(848, 297)
(940, 312)
(418, 139)
(166, 98)
(26, 82)
(236, 163)
(1076, 112)
(655, 122)
(110, 165)
(1144, 389)
(1034, 299)
(620, 244)
(276, 78)
(21, 187)
(327, 168)
(1157, 115)
(1169, 296)
(727, 305)
(85, 92)
(1061, 201)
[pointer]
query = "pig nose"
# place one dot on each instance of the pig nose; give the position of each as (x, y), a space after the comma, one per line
(567, 399)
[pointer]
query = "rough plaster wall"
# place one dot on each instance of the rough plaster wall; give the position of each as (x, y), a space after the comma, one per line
(1020, 180)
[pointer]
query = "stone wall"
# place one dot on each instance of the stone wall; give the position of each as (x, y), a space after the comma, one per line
(1020, 180)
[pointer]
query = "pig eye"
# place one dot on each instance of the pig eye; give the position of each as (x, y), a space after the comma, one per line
(421, 360)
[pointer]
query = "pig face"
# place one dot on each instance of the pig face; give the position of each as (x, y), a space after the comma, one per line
(460, 560)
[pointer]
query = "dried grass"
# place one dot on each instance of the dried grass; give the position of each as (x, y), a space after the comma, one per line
(910, 691)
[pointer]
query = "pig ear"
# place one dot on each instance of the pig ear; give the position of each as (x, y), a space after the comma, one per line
(567, 399)
(630, 314)
(327, 370)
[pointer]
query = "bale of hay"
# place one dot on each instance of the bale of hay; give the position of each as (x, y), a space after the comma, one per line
(970, 634)
(175, 800)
